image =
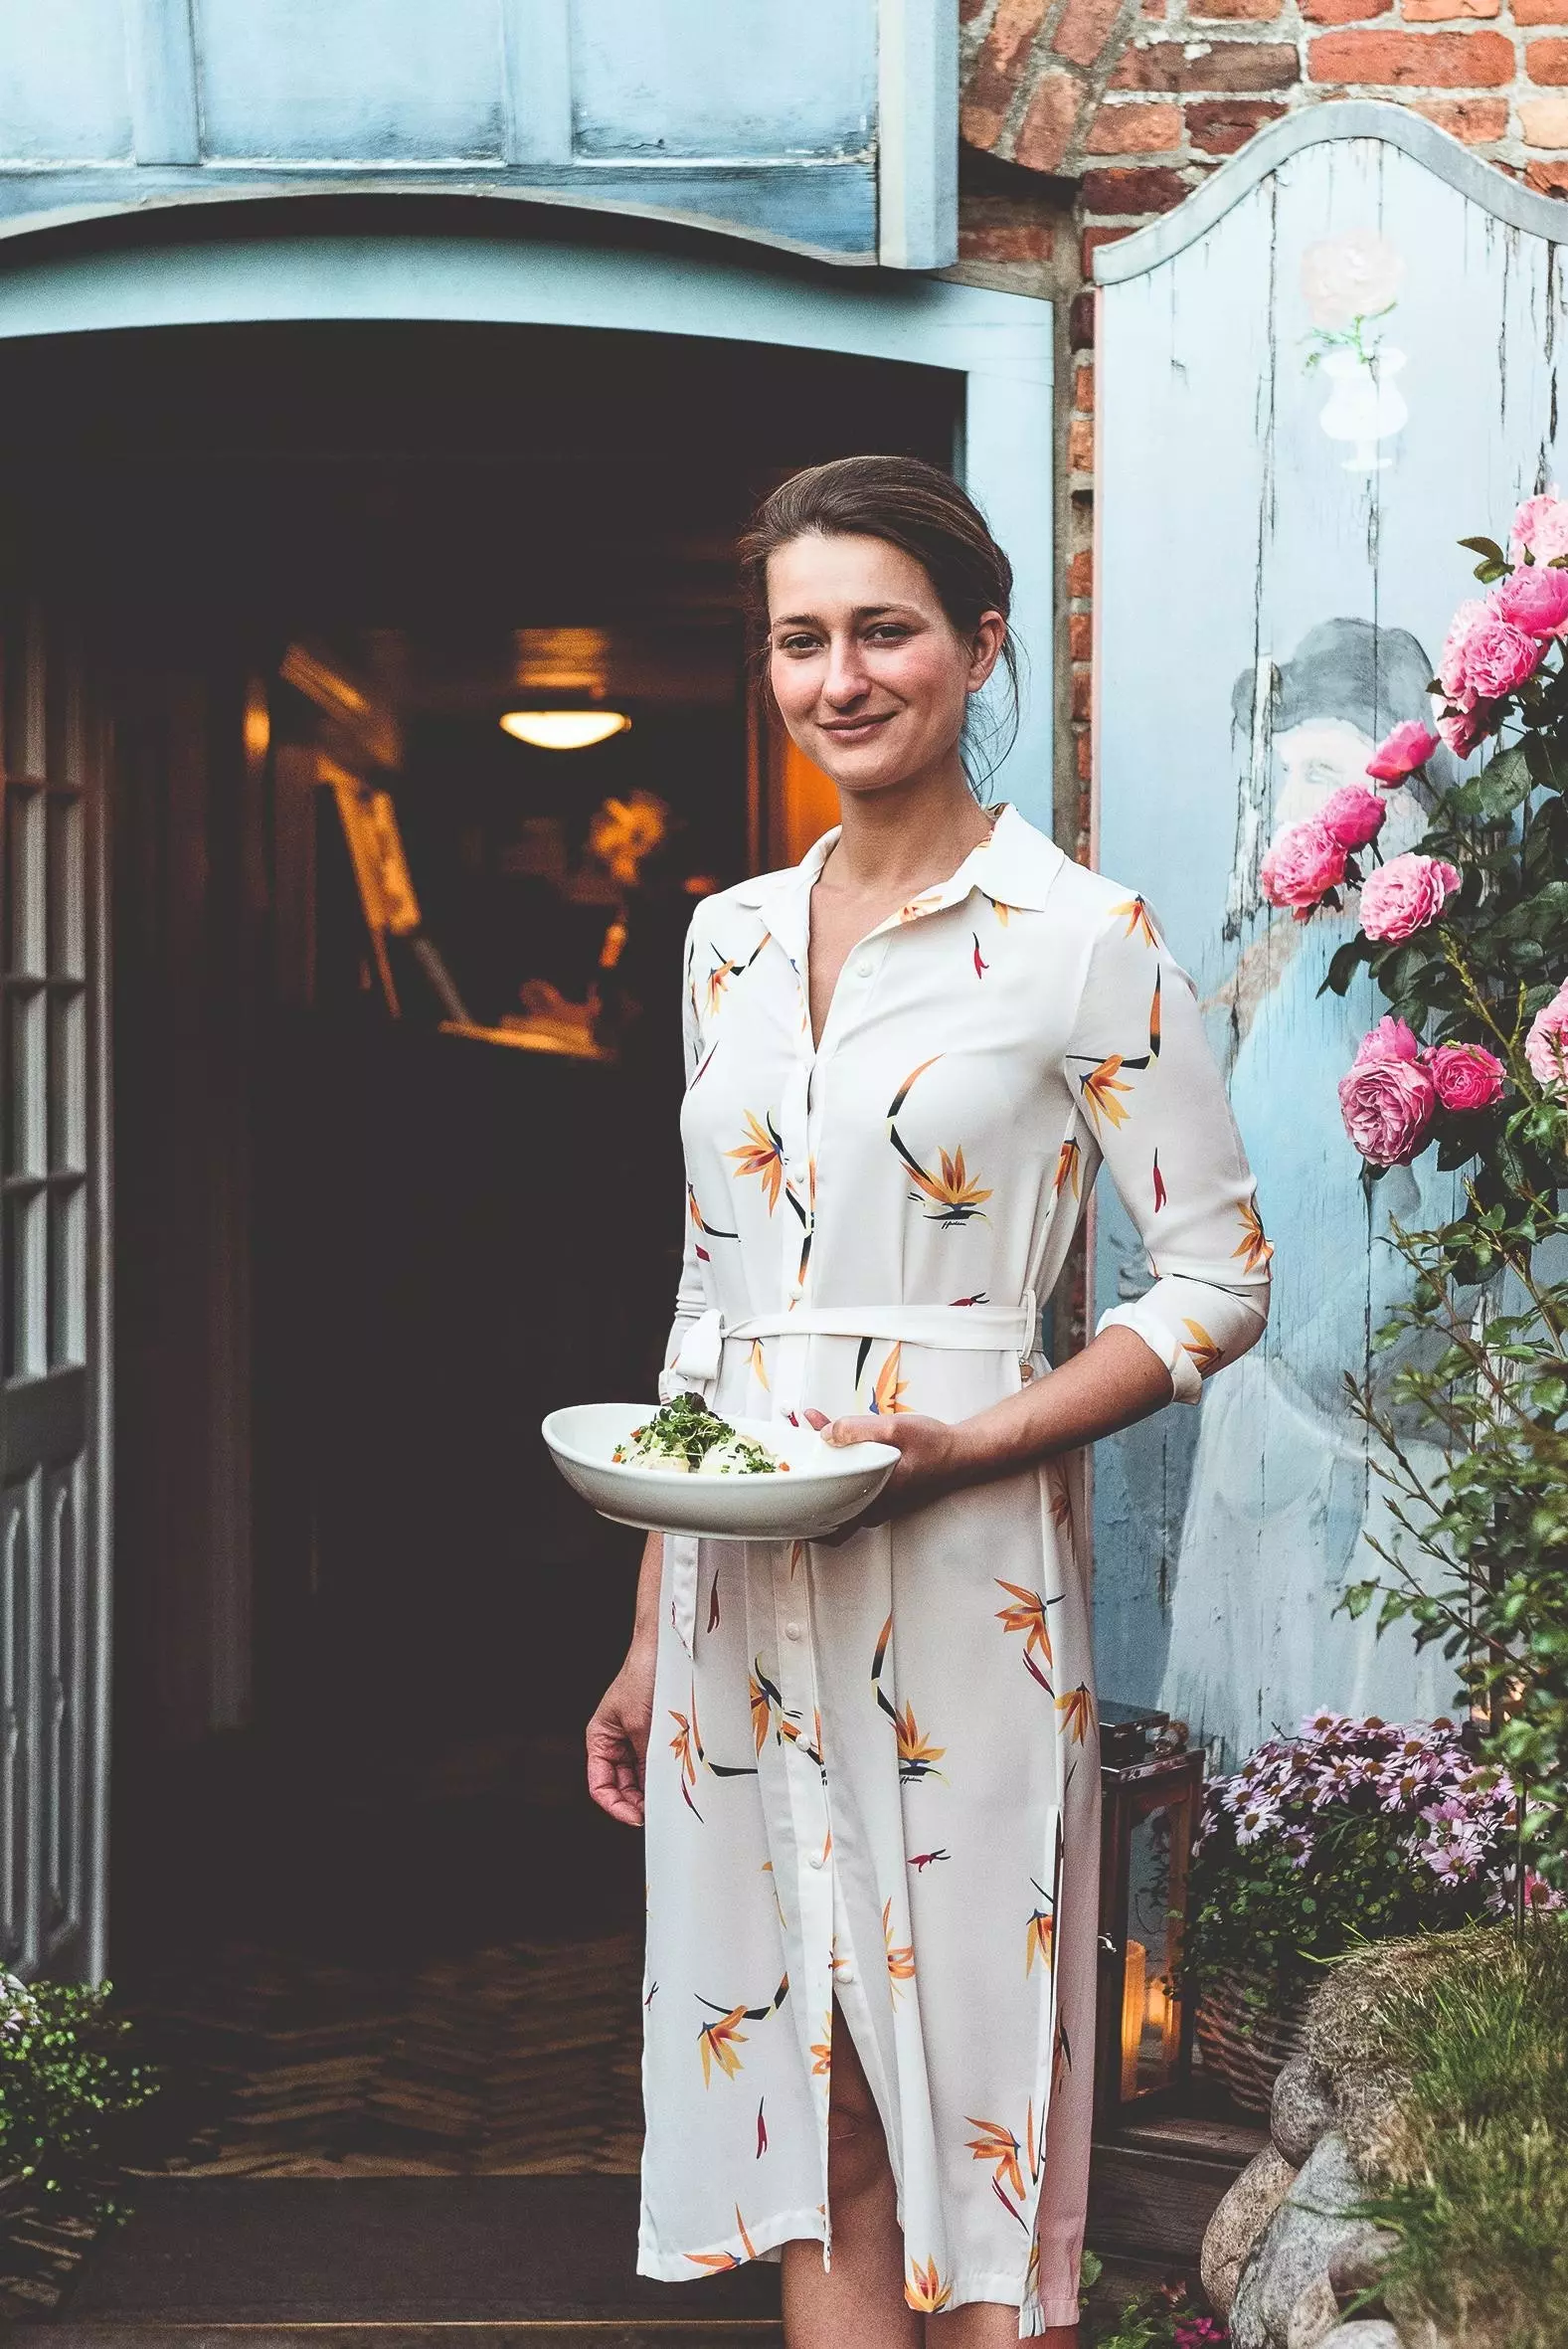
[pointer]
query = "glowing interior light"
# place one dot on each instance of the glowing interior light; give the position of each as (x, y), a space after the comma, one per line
(564, 730)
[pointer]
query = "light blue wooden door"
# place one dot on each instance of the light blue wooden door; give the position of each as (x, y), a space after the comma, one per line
(53, 1309)
(1314, 378)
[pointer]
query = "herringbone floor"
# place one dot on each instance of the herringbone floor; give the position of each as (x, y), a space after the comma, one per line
(516, 2060)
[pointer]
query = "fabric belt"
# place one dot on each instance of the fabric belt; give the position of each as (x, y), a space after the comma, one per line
(954, 1329)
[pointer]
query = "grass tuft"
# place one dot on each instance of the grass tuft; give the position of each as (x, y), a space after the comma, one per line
(1466, 2142)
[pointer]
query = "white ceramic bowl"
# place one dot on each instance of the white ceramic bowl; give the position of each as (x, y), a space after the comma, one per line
(822, 1488)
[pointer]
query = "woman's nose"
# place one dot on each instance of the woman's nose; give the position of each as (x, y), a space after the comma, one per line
(846, 674)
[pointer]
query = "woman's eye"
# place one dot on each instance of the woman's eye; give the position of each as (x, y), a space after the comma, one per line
(886, 631)
(797, 644)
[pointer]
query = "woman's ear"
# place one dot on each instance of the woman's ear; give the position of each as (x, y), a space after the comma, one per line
(985, 648)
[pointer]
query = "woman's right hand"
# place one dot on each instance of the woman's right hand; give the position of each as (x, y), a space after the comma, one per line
(617, 1739)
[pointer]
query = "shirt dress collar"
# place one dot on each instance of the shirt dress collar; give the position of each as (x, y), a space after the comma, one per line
(1016, 867)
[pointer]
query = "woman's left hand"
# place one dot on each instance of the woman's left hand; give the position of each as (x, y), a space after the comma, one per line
(928, 1461)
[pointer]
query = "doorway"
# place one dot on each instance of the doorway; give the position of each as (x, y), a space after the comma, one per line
(390, 1183)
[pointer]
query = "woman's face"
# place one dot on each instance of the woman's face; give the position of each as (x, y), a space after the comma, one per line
(871, 677)
(1315, 758)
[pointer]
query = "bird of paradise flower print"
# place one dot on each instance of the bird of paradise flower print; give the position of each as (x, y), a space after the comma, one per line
(1027, 1614)
(1206, 1355)
(917, 1757)
(956, 1196)
(1101, 1090)
(887, 1397)
(1137, 921)
(718, 2039)
(925, 2290)
(901, 1960)
(1040, 1936)
(1256, 1248)
(980, 963)
(822, 2050)
(1069, 1163)
(709, 1230)
(720, 2262)
(998, 2145)
(1077, 1710)
(762, 1154)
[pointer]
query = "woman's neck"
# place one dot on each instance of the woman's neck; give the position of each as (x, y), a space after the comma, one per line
(901, 840)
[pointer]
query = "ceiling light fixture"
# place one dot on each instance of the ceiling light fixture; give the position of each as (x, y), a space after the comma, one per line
(564, 730)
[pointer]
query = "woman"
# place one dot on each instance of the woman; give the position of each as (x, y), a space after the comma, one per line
(868, 1768)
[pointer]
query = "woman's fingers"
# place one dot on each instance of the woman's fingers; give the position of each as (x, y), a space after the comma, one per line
(615, 1771)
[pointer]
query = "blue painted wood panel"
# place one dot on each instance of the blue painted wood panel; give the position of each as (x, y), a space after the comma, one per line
(769, 82)
(768, 122)
(1277, 571)
(376, 80)
(46, 118)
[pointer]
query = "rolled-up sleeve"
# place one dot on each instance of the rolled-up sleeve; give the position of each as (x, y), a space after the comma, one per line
(691, 1295)
(1154, 1106)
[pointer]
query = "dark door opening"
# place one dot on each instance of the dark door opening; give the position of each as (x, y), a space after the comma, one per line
(362, 1242)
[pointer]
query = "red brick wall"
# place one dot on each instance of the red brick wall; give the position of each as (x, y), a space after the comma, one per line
(1113, 111)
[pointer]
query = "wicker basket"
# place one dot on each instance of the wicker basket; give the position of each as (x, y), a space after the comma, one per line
(1246, 2047)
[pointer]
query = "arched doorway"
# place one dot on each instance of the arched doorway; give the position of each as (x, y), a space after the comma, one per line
(354, 1641)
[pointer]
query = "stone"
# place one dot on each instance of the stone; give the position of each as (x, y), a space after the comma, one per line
(1314, 2314)
(1293, 2254)
(1357, 2265)
(1302, 2109)
(1362, 2332)
(1238, 2222)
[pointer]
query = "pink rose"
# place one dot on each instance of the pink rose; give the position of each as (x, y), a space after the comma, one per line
(1539, 528)
(1467, 1076)
(1535, 600)
(1498, 659)
(1301, 866)
(1406, 894)
(1387, 1106)
(1353, 814)
(1462, 730)
(1399, 754)
(1454, 660)
(1546, 1045)
(1391, 1039)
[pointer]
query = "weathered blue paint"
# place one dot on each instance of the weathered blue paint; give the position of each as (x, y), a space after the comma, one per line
(998, 345)
(750, 117)
(1277, 571)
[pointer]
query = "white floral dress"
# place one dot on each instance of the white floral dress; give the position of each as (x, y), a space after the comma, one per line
(873, 1770)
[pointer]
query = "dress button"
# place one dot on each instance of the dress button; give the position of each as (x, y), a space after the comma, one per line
(791, 1631)
(844, 1974)
(813, 1860)
(796, 1289)
(863, 967)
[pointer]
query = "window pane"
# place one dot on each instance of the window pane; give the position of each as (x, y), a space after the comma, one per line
(68, 1285)
(25, 854)
(68, 1069)
(26, 1264)
(66, 932)
(26, 1143)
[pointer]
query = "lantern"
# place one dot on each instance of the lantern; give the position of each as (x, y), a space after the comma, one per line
(1151, 1787)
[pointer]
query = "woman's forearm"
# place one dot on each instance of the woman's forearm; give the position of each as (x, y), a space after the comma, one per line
(1115, 1380)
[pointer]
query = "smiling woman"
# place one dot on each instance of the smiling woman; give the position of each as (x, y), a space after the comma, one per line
(906, 1058)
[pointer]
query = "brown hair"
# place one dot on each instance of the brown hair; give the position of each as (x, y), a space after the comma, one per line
(908, 505)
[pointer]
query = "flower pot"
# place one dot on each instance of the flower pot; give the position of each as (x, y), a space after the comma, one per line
(1245, 2046)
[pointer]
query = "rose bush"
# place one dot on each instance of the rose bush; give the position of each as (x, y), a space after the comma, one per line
(1467, 942)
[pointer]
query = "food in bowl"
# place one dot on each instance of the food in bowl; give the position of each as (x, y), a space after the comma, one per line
(685, 1438)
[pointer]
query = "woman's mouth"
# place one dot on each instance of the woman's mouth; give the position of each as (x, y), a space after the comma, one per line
(850, 730)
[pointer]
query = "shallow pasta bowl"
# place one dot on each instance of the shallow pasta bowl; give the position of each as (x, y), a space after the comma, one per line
(821, 1489)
